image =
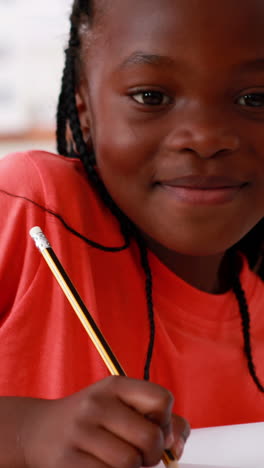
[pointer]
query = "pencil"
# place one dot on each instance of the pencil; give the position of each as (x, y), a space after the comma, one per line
(85, 317)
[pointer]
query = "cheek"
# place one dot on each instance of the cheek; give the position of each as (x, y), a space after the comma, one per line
(126, 173)
(124, 152)
(125, 140)
(126, 163)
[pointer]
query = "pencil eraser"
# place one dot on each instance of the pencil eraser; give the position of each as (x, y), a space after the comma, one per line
(40, 239)
(35, 231)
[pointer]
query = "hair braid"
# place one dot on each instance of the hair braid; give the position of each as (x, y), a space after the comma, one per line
(261, 269)
(86, 157)
(63, 111)
(62, 119)
(68, 107)
(149, 295)
(252, 245)
(67, 113)
(243, 307)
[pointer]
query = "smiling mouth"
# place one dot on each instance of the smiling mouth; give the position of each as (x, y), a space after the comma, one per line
(203, 190)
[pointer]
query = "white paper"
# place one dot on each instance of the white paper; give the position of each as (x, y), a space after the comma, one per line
(239, 446)
(184, 465)
(191, 465)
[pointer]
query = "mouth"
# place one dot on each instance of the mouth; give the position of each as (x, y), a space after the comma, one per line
(203, 189)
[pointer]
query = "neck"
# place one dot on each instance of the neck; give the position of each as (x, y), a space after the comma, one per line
(209, 273)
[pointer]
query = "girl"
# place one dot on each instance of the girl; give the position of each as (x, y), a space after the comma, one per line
(155, 207)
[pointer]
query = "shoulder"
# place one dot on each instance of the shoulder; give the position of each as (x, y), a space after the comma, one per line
(53, 181)
(60, 186)
(38, 189)
(30, 171)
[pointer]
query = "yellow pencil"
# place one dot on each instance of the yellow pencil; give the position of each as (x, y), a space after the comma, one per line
(85, 317)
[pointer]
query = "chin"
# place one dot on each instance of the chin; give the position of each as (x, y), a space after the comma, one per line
(197, 247)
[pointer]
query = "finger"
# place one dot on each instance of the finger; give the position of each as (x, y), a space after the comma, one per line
(181, 430)
(149, 399)
(116, 418)
(181, 427)
(78, 459)
(168, 435)
(109, 449)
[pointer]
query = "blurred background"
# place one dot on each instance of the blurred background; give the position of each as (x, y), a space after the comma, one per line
(33, 35)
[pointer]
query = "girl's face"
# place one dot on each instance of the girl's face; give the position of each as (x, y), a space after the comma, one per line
(174, 99)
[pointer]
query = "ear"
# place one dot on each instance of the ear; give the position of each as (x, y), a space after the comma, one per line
(83, 112)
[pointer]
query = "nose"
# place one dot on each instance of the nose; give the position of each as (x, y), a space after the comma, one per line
(205, 136)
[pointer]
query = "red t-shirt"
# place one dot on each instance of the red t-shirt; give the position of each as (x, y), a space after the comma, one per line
(44, 351)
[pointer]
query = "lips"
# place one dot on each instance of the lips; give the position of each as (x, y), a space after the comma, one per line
(204, 182)
(203, 190)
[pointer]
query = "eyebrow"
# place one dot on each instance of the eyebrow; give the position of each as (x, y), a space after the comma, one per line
(142, 58)
(254, 65)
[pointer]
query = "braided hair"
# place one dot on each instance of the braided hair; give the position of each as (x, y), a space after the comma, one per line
(67, 116)
(84, 12)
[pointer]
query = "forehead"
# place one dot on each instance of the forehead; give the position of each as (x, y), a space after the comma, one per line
(205, 12)
(171, 26)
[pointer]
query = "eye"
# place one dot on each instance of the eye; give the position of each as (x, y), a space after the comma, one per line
(255, 100)
(151, 98)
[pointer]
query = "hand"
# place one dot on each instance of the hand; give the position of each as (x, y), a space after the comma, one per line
(115, 423)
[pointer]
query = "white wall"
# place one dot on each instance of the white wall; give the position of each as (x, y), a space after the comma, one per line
(33, 34)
